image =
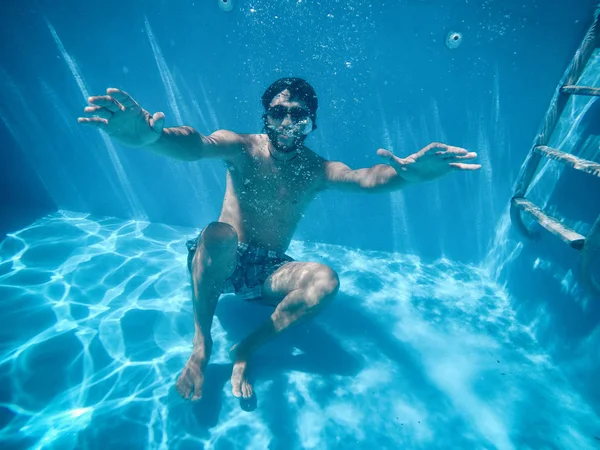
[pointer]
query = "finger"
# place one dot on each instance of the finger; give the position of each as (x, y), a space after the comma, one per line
(157, 122)
(122, 97)
(454, 158)
(384, 153)
(98, 111)
(96, 121)
(457, 150)
(469, 155)
(392, 160)
(462, 166)
(452, 152)
(388, 156)
(439, 145)
(107, 102)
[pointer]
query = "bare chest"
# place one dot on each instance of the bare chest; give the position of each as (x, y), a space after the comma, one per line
(275, 185)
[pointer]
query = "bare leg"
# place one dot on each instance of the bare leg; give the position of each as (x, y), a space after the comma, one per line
(300, 291)
(213, 263)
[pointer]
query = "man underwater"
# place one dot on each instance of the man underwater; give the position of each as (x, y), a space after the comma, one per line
(271, 179)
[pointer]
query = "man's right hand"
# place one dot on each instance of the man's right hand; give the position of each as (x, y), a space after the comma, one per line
(121, 117)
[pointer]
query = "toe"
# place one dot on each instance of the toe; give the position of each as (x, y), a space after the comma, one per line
(235, 389)
(197, 391)
(236, 380)
(247, 390)
(183, 387)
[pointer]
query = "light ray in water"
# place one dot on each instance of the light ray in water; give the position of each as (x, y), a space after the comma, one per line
(206, 130)
(211, 111)
(131, 197)
(76, 135)
(27, 131)
(70, 61)
(484, 148)
(192, 174)
(397, 204)
(439, 134)
(167, 79)
(503, 250)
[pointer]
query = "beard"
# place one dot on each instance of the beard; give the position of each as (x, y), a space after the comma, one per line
(273, 135)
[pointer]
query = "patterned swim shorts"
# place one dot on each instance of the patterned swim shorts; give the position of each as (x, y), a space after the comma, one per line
(254, 265)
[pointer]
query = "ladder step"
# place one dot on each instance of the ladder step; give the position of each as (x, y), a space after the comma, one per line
(569, 236)
(581, 90)
(584, 165)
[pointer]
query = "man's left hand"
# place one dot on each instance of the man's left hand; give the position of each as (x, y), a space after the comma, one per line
(431, 162)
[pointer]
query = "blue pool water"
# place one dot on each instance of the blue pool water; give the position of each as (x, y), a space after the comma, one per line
(450, 330)
(98, 324)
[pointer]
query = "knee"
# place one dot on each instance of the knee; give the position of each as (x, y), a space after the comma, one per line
(219, 236)
(323, 287)
(217, 245)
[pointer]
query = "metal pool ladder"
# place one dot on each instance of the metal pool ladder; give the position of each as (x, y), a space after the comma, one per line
(589, 245)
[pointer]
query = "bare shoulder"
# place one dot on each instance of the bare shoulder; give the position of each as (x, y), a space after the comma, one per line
(229, 138)
(255, 143)
(231, 144)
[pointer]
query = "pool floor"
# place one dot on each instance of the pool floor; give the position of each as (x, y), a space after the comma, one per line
(96, 324)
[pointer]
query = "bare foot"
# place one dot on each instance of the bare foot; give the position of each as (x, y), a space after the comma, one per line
(240, 386)
(192, 377)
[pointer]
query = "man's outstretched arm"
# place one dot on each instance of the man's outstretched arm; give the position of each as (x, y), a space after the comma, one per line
(122, 118)
(427, 164)
(379, 178)
(187, 144)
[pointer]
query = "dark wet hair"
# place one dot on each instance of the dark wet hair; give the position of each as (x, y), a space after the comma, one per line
(299, 89)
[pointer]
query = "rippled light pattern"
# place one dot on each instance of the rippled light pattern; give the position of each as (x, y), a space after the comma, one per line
(96, 323)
